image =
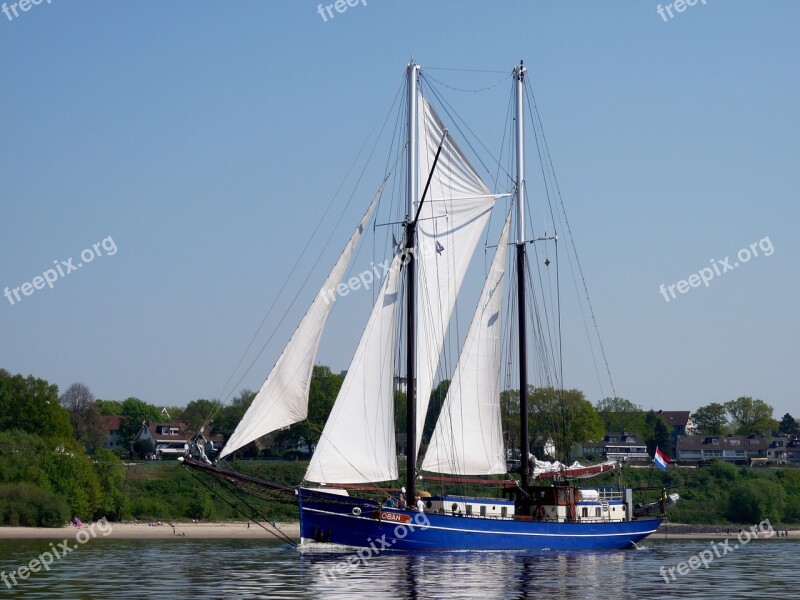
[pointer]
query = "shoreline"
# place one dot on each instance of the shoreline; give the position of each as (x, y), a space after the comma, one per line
(235, 530)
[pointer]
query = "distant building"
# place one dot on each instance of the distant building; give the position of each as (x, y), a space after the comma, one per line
(736, 449)
(172, 440)
(621, 446)
(679, 423)
(112, 425)
(784, 451)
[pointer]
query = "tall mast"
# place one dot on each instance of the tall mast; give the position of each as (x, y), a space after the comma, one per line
(519, 77)
(411, 291)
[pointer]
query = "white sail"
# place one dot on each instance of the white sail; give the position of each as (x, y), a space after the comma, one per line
(468, 439)
(283, 399)
(453, 216)
(358, 442)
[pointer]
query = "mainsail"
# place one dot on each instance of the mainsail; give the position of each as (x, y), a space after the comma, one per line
(468, 438)
(358, 442)
(283, 399)
(453, 216)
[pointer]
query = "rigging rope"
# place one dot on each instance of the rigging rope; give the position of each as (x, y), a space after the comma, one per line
(303, 252)
(536, 118)
(277, 533)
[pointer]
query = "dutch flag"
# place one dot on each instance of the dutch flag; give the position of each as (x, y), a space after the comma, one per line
(661, 460)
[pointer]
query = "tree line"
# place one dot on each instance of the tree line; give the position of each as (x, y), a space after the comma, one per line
(53, 464)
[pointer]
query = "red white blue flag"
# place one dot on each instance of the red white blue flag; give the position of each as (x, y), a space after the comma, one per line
(661, 460)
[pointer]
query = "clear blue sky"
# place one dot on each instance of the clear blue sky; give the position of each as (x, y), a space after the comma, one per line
(204, 138)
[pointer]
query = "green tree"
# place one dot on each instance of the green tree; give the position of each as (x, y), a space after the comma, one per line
(751, 501)
(711, 419)
(72, 475)
(197, 412)
(31, 404)
(25, 505)
(23, 457)
(657, 434)
(509, 416)
(751, 416)
(788, 425)
(85, 417)
(232, 414)
(324, 389)
(135, 412)
(322, 395)
(619, 414)
(437, 399)
(400, 407)
(111, 477)
(565, 416)
(109, 408)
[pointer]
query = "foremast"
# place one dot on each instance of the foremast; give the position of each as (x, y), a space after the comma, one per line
(411, 195)
(519, 78)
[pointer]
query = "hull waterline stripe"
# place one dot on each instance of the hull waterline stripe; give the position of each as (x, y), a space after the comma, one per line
(461, 530)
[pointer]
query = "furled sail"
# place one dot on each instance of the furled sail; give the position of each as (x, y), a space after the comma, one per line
(468, 438)
(283, 399)
(453, 216)
(358, 442)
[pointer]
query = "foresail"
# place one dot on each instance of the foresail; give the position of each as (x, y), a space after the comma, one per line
(358, 442)
(468, 438)
(453, 217)
(283, 399)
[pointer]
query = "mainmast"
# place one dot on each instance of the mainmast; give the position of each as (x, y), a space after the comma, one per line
(519, 77)
(411, 291)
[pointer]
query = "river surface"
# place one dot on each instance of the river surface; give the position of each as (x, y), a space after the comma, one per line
(199, 569)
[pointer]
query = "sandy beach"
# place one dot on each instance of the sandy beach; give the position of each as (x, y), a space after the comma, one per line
(232, 530)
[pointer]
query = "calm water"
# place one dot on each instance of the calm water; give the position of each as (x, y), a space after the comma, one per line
(200, 569)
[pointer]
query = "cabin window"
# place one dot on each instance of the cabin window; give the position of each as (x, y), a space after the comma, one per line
(585, 512)
(597, 512)
(483, 511)
(469, 509)
(504, 512)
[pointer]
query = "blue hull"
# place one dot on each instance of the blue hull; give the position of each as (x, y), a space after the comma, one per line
(356, 522)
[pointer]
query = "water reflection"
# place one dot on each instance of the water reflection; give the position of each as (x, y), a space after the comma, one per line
(197, 569)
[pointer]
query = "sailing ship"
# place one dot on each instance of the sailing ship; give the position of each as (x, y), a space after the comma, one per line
(341, 501)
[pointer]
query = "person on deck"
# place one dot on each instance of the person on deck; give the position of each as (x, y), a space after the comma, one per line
(420, 505)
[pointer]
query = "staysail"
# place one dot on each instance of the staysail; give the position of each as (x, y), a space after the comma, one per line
(453, 216)
(358, 442)
(283, 399)
(468, 438)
